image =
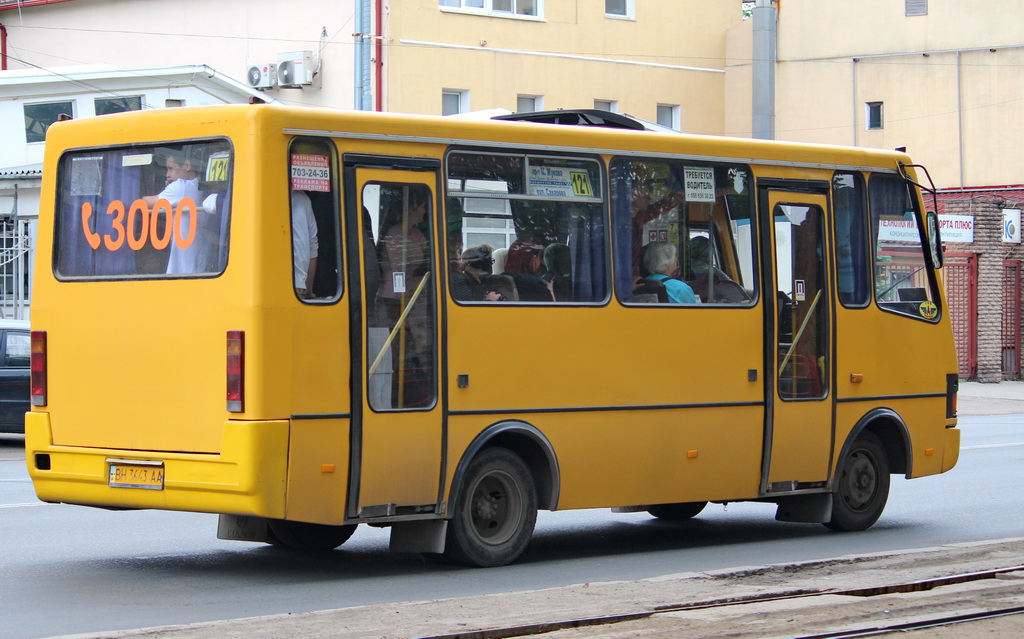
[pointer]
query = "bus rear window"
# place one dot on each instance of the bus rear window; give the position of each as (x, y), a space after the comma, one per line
(143, 211)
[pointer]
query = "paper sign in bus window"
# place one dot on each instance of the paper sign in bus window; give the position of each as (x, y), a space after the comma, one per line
(311, 172)
(799, 291)
(700, 184)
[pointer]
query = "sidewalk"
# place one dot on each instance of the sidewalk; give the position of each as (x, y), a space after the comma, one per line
(1003, 398)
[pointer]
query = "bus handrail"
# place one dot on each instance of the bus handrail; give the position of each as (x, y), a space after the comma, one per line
(799, 333)
(399, 323)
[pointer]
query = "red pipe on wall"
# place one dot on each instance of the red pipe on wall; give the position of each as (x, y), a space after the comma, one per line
(3, 48)
(28, 3)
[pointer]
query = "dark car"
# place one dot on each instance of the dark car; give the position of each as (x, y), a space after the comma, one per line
(15, 352)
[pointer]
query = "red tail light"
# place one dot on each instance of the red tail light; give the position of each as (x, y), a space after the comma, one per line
(39, 368)
(236, 371)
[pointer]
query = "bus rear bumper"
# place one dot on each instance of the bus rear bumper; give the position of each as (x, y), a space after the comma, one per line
(247, 477)
(951, 451)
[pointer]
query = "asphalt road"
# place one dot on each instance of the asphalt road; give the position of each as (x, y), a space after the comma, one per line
(68, 569)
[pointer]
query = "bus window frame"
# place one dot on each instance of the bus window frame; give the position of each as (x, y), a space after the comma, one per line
(58, 221)
(867, 272)
(336, 216)
(912, 192)
(603, 199)
(755, 247)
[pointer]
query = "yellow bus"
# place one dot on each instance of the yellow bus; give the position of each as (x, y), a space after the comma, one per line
(304, 320)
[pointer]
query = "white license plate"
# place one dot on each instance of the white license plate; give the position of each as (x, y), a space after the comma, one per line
(148, 477)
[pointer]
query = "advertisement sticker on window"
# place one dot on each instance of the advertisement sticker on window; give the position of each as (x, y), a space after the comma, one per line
(311, 172)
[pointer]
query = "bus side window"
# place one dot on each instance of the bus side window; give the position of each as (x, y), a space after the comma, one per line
(683, 233)
(316, 245)
(903, 281)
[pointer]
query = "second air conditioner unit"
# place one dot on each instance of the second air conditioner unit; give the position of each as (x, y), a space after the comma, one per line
(294, 68)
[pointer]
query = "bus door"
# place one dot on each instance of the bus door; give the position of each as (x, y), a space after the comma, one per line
(396, 415)
(799, 424)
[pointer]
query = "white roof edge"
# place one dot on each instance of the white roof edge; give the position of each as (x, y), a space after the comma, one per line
(186, 73)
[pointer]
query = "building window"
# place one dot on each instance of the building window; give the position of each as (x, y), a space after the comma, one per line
(619, 9)
(454, 101)
(106, 106)
(39, 117)
(505, 8)
(529, 103)
(917, 7)
(607, 105)
(874, 116)
(668, 116)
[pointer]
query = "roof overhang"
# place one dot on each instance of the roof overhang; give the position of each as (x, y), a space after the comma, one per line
(103, 78)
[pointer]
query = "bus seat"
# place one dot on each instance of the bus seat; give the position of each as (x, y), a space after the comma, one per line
(499, 259)
(649, 289)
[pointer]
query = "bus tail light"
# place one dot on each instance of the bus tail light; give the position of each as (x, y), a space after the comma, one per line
(236, 371)
(38, 368)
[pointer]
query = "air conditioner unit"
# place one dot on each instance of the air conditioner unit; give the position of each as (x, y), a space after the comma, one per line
(295, 68)
(262, 76)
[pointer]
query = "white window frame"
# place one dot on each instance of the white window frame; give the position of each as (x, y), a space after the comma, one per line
(487, 8)
(463, 96)
(538, 102)
(630, 13)
(676, 123)
(607, 105)
(868, 107)
(69, 101)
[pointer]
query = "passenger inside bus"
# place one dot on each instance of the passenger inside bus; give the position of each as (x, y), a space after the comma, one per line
(524, 264)
(708, 281)
(182, 181)
(558, 271)
(662, 261)
(304, 244)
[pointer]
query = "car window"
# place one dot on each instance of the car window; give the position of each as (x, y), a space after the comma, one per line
(18, 349)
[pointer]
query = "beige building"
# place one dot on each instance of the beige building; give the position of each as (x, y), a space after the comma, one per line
(944, 78)
(659, 60)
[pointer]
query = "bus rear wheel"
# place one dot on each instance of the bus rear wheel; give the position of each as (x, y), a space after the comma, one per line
(862, 485)
(494, 511)
(677, 512)
(299, 535)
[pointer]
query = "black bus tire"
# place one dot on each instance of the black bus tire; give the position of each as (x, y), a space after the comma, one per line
(677, 512)
(494, 511)
(862, 485)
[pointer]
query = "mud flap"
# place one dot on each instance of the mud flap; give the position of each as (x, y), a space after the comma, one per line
(812, 509)
(242, 528)
(419, 536)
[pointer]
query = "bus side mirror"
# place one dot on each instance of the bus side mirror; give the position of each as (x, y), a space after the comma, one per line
(934, 239)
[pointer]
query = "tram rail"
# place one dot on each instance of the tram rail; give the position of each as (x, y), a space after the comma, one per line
(915, 586)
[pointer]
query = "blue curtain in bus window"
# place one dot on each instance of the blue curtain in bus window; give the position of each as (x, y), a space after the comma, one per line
(124, 184)
(586, 242)
(622, 226)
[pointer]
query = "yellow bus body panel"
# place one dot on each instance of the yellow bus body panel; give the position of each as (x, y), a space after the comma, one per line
(247, 478)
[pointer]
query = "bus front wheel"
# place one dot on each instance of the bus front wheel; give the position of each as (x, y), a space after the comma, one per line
(299, 535)
(494, 511)
(677, 512)
(862, 485)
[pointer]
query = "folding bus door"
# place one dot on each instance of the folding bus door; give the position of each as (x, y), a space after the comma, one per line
(393, 267)
(799, 431)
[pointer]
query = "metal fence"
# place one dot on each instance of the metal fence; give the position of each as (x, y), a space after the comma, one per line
(15, 248)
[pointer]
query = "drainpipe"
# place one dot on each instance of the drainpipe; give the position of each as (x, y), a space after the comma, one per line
(361, 92)
(765, 45)
(3, 48)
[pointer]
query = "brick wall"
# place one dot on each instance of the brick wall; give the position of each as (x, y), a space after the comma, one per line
(986, 208)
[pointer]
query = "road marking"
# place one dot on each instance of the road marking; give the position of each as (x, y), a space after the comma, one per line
(1007, 445)
(27, 505)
